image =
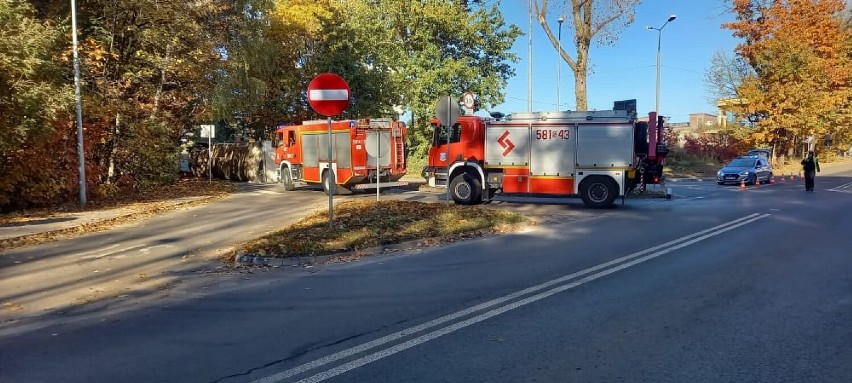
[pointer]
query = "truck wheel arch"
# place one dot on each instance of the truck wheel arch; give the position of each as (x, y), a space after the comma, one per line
(467, 167)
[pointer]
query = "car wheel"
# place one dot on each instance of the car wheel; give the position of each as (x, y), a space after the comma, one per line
(752, 179)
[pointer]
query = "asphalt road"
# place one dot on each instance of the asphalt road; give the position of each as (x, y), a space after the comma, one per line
(717, 285)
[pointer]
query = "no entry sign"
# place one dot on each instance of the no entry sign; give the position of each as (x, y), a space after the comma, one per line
(328, 94)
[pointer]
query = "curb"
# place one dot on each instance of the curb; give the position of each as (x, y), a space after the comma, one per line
(341, 257)
(248, 260)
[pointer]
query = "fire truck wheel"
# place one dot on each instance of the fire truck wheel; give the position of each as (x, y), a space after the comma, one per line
(338, 189)
(287, 180)
(326, 181)
(465, 189)
(598, 191)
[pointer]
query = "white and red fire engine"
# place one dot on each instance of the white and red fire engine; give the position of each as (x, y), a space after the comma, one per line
(366, 154)
(596, 155)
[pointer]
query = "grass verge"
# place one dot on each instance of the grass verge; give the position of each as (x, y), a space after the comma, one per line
(362, 224)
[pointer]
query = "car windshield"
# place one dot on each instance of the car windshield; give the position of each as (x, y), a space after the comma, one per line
(742, 163)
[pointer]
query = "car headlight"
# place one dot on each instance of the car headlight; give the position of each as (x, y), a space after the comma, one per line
(719, 173)
(745, 173)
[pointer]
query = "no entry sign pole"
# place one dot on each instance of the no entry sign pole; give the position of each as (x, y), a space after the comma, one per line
(447, 110)
(328, 95)
(332, 179)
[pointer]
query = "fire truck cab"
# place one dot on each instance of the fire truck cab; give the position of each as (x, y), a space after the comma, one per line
(596, 155)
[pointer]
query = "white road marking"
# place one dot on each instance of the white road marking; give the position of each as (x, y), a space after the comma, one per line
(106, 251)
(147, 250)
(648, 254)
(845, 188)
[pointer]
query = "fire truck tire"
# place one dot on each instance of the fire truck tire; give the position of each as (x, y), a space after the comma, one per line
(466, 189)
(287, 180)
(598, 191)
(338, 189)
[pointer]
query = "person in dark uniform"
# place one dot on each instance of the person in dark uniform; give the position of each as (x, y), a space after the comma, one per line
(811, 166)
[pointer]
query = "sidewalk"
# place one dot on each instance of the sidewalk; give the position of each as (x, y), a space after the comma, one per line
(22, 231)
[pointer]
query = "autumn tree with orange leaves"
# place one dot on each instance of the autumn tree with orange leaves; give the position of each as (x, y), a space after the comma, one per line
(799, 50)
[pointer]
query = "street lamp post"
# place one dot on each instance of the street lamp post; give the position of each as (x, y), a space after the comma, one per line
(558, 61)
(659, 40)
(81, 157)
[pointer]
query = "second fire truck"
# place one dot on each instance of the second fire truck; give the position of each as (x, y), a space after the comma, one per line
(596, 155)
(366, 154)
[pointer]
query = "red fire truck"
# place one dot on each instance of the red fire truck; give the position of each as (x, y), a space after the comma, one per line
(366, 154)
(597, 155)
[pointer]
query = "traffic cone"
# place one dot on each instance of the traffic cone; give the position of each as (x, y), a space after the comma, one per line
(782, 179)
(742, 185)
(757, 182)
(792, 177)
(772, 180)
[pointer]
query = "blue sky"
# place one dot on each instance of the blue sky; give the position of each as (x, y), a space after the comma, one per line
(627, 70)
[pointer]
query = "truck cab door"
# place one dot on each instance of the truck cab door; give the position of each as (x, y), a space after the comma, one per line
(440, 154)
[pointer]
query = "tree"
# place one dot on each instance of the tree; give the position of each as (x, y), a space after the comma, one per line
(145, 68)
(594, 21)
(725, 76)
(802, 69)
(31, 99)
(442, 48)
(32, 105)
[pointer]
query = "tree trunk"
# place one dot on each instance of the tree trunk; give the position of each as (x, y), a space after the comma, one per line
(112, 150)
(159, 94)
(580, 86)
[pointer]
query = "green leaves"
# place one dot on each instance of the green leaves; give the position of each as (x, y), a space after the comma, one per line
(32, 95)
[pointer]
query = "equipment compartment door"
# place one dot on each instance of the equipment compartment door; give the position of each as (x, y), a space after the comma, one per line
(552, 150)
(507, 146)
(605, 145)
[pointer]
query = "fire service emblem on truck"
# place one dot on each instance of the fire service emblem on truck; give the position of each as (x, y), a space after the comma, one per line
(506, 143)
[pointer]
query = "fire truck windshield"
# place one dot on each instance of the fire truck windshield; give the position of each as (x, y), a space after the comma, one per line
(439, 136)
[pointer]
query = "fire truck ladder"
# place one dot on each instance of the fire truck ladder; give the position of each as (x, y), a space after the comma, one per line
(400, 154)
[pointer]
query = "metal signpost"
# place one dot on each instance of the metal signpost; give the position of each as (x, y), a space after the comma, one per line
(447, 110)
(209, 131)
(328, 95)
(378, 162)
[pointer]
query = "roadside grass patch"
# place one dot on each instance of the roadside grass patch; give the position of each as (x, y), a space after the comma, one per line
(363, 224)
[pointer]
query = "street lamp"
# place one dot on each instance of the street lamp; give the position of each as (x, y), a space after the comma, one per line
(558, 59)
(659, 40)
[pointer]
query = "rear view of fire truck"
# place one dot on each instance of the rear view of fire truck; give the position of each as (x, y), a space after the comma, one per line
(366, 154)
(597, 155)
